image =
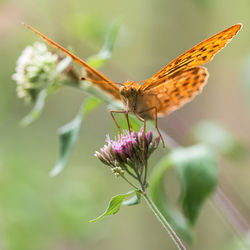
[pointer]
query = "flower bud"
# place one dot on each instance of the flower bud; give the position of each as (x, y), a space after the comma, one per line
(117, 171)
(101, 158)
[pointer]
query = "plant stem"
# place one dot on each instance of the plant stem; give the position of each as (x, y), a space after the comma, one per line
(164, 222)
(145, 174)
(129, 182)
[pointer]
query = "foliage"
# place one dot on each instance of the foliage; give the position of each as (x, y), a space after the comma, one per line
(115, 204)
(196, 166)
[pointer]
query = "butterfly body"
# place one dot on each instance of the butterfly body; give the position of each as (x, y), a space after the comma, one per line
(135, 101)
(130, 91)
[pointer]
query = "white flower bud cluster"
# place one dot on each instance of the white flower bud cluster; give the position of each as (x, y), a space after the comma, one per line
(117, 171)
(34, 71)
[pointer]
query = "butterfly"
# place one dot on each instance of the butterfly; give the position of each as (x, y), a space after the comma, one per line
(169, 89)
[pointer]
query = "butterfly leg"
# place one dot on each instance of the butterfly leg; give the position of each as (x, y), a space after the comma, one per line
(120, 112)
(129, 127)
(144, 129)
(156, 126)
(112, 115)
(156, 122)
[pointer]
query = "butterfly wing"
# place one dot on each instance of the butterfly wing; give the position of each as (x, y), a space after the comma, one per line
(95, 77)
(173, 93)
(198, 55)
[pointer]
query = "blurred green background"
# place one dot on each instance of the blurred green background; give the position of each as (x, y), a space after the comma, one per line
(39, 212)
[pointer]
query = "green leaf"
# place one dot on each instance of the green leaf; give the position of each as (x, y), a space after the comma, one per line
(198, 173)
(68, 134)
(105, 53)
(134, 200)
(220, 139)
(37, 109)
(67, 137)
(114, 205)
(156, 189)
(196, 167)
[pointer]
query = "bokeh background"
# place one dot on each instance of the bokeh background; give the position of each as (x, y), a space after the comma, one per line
(39, 212)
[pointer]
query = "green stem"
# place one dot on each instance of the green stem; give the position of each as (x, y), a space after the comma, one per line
(164, 222)
(145, 174)
(129, 182)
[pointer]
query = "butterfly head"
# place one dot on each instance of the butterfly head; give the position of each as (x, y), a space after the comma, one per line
(129, 89)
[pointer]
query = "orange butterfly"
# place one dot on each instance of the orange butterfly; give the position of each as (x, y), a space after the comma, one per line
(169, 89)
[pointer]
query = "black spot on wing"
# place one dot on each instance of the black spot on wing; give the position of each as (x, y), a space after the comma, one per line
(196, 77)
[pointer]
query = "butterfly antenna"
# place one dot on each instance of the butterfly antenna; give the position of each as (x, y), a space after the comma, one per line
(74, 57)
(141, 81)
(97, 81)
(119, 84)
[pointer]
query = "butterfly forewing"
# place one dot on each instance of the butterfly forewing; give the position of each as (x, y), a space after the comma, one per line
(174, 92)
(108, 87)
(92, 74)
(198, 55)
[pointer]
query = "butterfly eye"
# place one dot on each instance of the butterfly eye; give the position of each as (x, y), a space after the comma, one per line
(122, 91)
(133, 90)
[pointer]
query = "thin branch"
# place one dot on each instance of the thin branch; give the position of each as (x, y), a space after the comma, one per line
(129, 182)
(164, 222)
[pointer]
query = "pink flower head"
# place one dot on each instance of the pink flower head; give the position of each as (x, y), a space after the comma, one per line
(127, 151)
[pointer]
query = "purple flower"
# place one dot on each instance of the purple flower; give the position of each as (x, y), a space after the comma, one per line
(126, 153)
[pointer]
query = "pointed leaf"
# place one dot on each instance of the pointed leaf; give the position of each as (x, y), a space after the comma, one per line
(197, 170)
(172, 215)
(114, 205)
(69, 133)
(134, 200)
(198, 173)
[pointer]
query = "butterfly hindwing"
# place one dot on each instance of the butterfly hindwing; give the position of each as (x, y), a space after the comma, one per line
(174, 93)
